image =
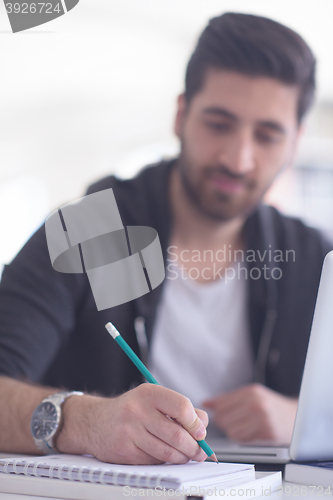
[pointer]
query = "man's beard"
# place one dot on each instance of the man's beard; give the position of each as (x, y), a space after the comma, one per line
(220, 206)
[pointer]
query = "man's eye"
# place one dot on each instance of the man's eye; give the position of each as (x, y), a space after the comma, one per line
(267, 138)
(221, 127)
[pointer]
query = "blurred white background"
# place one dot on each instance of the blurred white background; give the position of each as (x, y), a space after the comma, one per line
(93, 93)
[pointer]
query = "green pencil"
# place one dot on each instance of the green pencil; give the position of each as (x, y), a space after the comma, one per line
(148, 376)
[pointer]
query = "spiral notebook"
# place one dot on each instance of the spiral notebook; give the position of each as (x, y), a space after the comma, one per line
(89, 469)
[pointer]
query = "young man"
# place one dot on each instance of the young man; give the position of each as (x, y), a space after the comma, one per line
(235, 347)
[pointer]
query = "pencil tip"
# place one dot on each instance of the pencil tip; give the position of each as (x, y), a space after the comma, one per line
(214, 458)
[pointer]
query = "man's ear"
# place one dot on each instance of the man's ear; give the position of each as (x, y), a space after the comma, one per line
(180, 115)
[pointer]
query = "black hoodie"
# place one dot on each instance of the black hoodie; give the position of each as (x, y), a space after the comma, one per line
(52, 333)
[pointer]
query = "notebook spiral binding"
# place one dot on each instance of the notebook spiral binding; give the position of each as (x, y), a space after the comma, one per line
(75, 473)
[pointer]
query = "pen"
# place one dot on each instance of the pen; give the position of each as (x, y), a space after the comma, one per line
(148, 376)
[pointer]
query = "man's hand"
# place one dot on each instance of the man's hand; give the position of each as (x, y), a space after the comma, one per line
(254, 412)
(147, 425)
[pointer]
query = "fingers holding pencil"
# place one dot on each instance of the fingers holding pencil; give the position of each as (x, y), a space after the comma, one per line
(190, 422)
(180, 409)
(132, 429)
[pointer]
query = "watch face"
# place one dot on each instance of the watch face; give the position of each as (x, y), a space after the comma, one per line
(44, 421)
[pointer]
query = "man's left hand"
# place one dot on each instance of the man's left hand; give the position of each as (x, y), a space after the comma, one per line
(254, 412)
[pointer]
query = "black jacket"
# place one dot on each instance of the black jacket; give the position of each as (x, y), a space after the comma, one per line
(52, 333)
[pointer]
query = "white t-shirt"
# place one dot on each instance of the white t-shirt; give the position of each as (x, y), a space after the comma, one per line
(201, 345)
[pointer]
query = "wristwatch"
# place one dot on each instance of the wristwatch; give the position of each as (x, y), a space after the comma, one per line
(46, 420)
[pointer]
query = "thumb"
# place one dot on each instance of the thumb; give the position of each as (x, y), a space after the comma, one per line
(196, 429)
(180, 408)
(192, 422)
(202, 415)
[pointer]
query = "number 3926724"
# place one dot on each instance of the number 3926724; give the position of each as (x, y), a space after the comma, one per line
(33, 8)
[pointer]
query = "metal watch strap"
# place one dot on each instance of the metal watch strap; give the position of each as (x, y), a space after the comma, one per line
(57, 398)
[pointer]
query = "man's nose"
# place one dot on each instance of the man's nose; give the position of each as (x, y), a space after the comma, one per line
(238, 155)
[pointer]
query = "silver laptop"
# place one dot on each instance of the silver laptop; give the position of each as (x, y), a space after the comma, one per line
(313, 430)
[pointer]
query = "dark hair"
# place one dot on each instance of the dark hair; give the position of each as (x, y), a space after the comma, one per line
(256, 46)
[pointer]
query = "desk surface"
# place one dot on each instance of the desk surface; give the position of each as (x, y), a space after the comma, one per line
(290, 490)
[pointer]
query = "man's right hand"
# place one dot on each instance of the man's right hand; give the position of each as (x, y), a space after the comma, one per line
(147, 425)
